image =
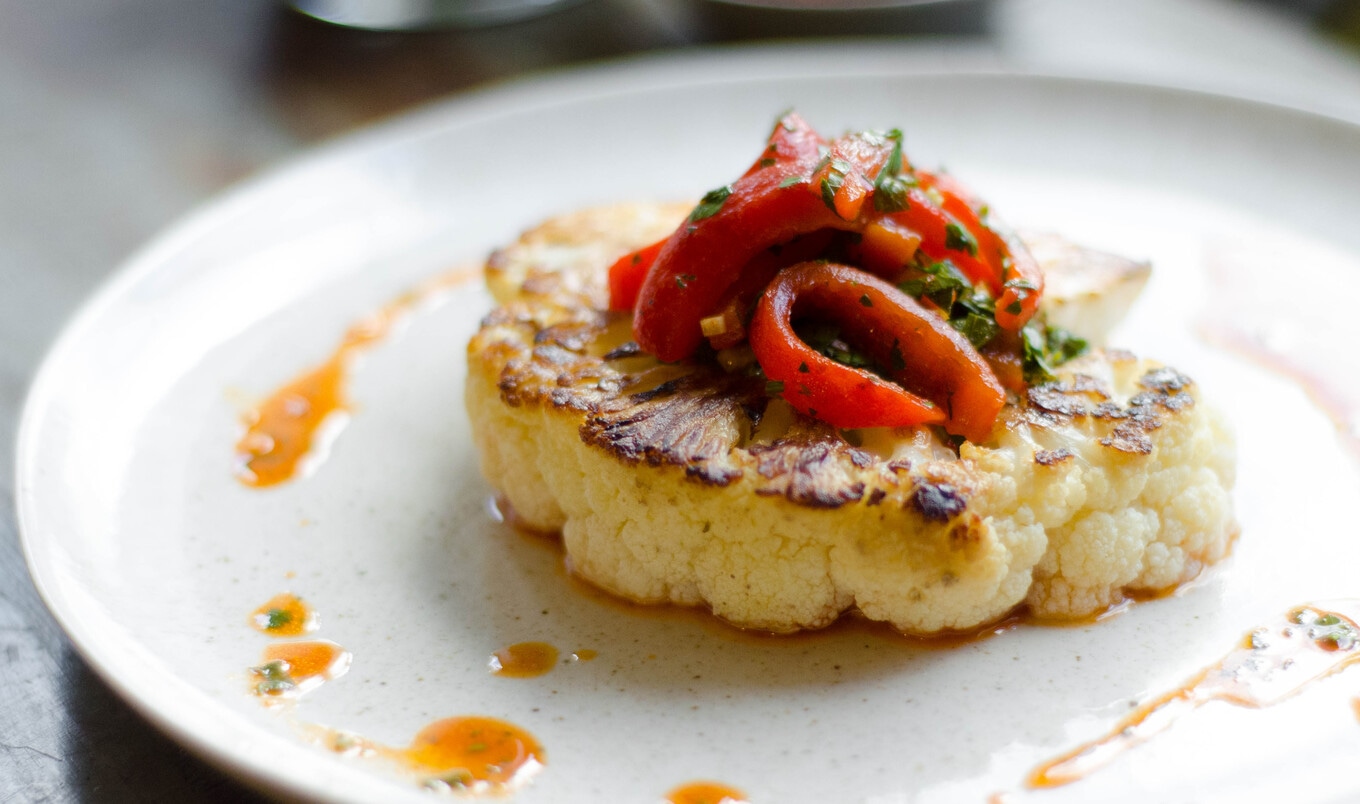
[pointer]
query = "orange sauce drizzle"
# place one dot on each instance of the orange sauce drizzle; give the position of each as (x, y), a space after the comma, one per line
(291, 668)
(470, 755)
(284, 615)
(475, 754)
(705, 793)
(281, 432)
(524, 660)
(1271, 664)
(1355, 705)
(584, 655)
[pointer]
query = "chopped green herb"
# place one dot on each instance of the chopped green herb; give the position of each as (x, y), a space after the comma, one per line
(956, 239)
(940, 282)
(803, 368)
(710, 203)
(865, 300)
(1042, 349)
(274, 619)
(774, 387)
(789, 181)
(274, 678)
(979, 329)
(825, 339)
(890, 188)
(767, 162)
(833, 182)
(682, 281)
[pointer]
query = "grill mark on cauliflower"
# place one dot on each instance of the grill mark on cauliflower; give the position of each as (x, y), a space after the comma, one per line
(676, 483)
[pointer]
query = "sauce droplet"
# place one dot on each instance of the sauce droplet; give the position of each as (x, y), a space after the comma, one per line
(282, 432)
(584, 655)
(705, 793)
(1355, 704)
(284, 615)
(1271, 664)
(290, 669)
(475, 754)
(524, 660)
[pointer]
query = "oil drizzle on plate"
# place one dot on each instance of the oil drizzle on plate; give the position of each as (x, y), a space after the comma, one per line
(290, 669)
(284, 431)
(523, 660)
(471, 755)
(284, 615)
(705, 793)
(1271, 664)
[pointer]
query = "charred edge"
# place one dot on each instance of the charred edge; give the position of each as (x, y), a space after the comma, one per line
(629, 349)
(1165, 379)
(938, 502)
(860, 458)
(875, 497)
(574, 337)
(1130, 438)
(680, 426)
(1054, 398)
(1052, 457)
(810, 473)
(666, 388)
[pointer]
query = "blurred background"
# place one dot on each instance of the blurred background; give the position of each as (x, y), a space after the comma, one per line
(119, 116)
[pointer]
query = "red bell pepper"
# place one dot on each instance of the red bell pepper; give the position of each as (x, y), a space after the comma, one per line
(627, 274)
(704, 258)
(937, 375)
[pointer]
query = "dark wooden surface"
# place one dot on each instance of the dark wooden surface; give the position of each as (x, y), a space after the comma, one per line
(118, 116)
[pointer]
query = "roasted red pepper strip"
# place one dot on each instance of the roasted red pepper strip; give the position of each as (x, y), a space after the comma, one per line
(626, 275)
(704, 258)
(939, 376)
(1012, 274)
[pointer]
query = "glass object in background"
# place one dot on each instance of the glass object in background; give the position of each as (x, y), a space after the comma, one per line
(420, 14)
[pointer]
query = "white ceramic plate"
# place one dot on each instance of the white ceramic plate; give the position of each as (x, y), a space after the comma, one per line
(151, 554)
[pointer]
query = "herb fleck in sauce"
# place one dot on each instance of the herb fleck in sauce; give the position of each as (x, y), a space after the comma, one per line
(474, 754)
(290, 669)
(284, 616)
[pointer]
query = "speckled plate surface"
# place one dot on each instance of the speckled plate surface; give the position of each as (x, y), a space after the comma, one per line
(152, 555)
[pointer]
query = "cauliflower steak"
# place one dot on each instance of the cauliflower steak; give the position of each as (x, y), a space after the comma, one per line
(686, 483)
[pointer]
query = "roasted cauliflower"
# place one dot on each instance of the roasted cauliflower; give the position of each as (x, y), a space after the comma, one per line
(686, 483)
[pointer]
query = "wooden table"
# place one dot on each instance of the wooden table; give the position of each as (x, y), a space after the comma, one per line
(116, 117)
